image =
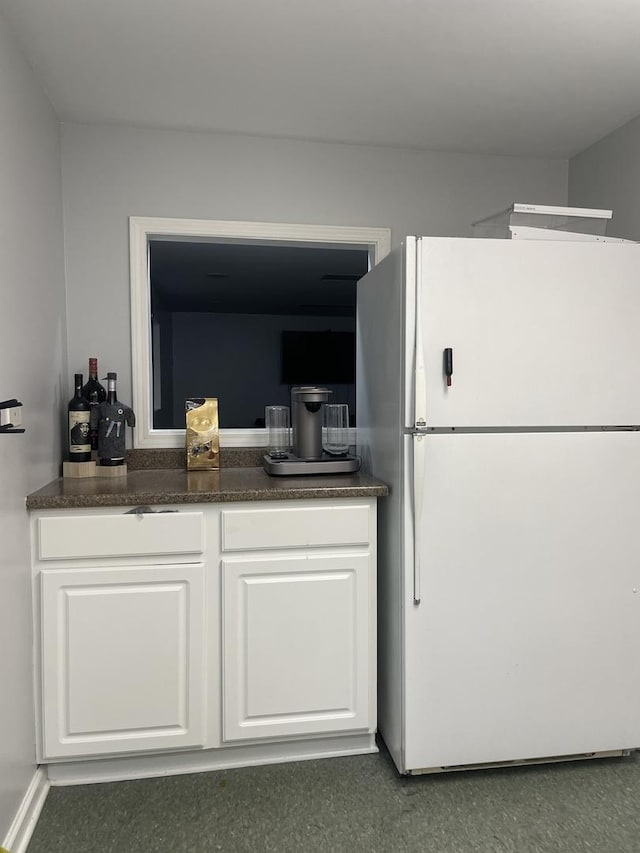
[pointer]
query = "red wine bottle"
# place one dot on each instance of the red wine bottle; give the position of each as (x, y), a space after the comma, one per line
(94, 394)
(79, 412)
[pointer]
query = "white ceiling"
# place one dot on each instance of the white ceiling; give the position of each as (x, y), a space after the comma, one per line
(524, 77)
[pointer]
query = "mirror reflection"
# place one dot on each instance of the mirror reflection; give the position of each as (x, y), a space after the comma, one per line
(244, 323)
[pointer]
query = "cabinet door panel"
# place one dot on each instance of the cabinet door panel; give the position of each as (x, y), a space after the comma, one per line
(296, 645)
(122, 653)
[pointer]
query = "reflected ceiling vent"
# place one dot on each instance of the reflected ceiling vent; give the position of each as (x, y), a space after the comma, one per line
(341, 277)
(312, 305)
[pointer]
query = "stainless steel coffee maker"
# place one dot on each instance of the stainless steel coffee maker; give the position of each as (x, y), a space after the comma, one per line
(308, 457)
(306, 417)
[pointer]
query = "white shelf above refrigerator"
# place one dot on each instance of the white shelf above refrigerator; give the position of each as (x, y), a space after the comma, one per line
(544, 222)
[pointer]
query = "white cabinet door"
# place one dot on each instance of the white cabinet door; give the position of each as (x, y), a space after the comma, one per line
(297, 638)
(122, 659)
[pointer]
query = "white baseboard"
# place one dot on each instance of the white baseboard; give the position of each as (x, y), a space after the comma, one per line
(26, 818)
(199, 761)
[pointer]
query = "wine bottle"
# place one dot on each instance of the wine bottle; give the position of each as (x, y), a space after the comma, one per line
(110, 418)
(94, 394)
(79, 413)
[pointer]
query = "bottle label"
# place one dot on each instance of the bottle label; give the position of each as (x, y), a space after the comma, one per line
(79, 432)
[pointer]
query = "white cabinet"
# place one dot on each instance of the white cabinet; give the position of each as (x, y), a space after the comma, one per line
(122, 659)
(218, 627)
(296, 645)
(298, 624)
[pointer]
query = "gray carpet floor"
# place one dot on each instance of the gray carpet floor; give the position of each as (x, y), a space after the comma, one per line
(353, 804)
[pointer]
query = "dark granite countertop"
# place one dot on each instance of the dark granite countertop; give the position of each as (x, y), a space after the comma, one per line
(178, 486)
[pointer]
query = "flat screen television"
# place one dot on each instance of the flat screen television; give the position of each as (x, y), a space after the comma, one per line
(318, 358)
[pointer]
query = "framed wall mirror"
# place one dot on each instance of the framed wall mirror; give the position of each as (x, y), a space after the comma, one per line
(241, 312)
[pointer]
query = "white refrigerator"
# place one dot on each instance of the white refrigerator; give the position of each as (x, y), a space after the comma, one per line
(509, 546)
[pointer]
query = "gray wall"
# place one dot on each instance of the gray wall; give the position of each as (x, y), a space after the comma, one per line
(249, 344)
(32, 368)
(111, 173)
(608, 175)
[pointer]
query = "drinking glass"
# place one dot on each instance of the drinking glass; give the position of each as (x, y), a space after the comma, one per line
(278, 422)
(336, 426)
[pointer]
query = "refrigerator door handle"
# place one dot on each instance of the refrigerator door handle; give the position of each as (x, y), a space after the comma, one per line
(447, 366)
(419, 454)
(419, 390)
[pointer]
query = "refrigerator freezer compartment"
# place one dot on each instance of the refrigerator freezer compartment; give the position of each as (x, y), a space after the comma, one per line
(542, 334)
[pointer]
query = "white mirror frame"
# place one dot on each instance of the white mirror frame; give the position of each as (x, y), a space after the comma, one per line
(142, 229)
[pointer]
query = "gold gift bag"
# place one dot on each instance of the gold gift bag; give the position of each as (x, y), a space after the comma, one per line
(201, 438)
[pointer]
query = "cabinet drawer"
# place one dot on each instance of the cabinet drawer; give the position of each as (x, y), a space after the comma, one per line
(86, 536)
(293, 527)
